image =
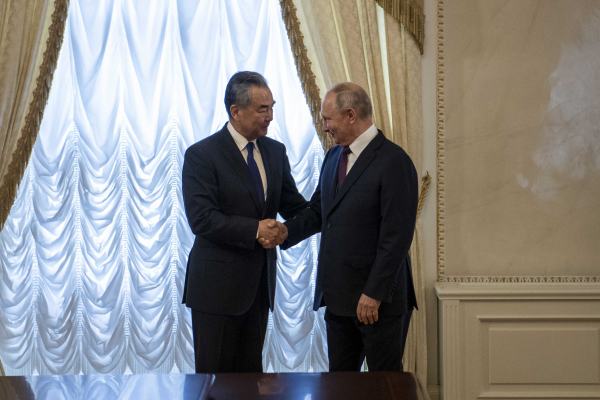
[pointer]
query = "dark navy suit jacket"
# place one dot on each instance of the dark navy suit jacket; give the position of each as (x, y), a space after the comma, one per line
(366, 230)
(223, 209)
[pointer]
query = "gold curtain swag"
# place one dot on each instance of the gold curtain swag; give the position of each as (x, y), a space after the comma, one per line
(29, 132)
(409, 14)
(304, 68)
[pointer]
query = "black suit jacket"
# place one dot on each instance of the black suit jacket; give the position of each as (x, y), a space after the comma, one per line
(223, 210)
(367, 228)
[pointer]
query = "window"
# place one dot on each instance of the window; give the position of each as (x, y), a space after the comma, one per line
(94, 252)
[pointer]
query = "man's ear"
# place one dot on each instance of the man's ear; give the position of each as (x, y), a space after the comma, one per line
(235, 112)
(351, 114)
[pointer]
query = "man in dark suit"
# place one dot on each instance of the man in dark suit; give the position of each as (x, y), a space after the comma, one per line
(234, 184)
(365, 206)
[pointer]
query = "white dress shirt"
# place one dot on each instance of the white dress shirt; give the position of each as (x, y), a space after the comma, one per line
(359, 144)
(242, 144)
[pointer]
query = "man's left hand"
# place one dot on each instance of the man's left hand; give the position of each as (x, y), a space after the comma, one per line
(368, 309)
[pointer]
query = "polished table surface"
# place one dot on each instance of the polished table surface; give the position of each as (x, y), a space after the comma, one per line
(336, 385)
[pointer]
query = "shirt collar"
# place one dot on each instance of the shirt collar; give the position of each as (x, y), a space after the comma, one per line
(363, 140)
(240, 141)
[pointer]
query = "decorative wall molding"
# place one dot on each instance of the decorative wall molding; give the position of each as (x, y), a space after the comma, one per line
(539, 318)
(441, 192)
(451, 358)
(518, 291)
(441, 138)
(513, 340)
(519, 279)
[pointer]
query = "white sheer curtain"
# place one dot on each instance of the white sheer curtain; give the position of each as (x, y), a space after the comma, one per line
(93, 255)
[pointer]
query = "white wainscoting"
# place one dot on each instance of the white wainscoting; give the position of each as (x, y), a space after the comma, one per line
(519, 341)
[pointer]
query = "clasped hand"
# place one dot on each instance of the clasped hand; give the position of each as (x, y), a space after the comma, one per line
(271, 233)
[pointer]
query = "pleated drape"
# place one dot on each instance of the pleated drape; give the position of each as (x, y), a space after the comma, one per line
(94, 251)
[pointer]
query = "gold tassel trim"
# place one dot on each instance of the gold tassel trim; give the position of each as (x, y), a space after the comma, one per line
(409, 14)
(304, 69)
(425, 182)
(20, 157)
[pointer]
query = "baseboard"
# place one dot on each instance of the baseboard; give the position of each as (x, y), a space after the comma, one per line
(434, 392)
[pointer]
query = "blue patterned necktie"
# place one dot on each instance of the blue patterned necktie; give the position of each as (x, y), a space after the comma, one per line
(255, 173)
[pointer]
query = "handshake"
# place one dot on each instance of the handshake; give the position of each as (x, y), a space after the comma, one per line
(271, 233)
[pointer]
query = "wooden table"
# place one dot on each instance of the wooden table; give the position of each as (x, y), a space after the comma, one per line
(333, 385)
(338, 385)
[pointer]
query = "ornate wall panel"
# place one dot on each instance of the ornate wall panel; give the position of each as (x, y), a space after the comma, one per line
(519, 341)
(518, 140)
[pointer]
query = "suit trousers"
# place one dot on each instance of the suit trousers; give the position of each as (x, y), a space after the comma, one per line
(349, 341)
(232, 343)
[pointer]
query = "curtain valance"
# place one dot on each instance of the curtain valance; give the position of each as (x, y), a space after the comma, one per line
(408, 13)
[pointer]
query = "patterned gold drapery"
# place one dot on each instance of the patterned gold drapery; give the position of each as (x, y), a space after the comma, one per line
(31, 34)
(30, 40)
(304, 67)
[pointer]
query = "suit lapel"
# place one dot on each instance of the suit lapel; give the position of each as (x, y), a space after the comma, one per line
(236, 159)
(363, 161)
(329, 179)
(267, 159)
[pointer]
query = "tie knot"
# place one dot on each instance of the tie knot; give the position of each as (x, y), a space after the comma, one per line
(346, 150)
(250, 147)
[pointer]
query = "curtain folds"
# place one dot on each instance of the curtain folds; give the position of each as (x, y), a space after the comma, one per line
(94, 251)
(31, 35)
(358, 41)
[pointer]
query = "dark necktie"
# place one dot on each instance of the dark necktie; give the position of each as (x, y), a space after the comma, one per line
(255, 173)
(343, 165)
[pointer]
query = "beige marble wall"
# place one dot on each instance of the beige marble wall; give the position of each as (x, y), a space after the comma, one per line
(522, 137)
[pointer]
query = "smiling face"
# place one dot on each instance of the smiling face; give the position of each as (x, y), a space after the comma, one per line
(338, 125)
(253, 121)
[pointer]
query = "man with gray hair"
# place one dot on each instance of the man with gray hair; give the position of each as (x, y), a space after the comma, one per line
(234, 184)
(365, 207)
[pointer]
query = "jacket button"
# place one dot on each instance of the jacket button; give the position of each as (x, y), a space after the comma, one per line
(329, 225)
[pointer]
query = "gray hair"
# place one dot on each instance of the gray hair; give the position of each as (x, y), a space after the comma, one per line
(239, 89)
(350, 95)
